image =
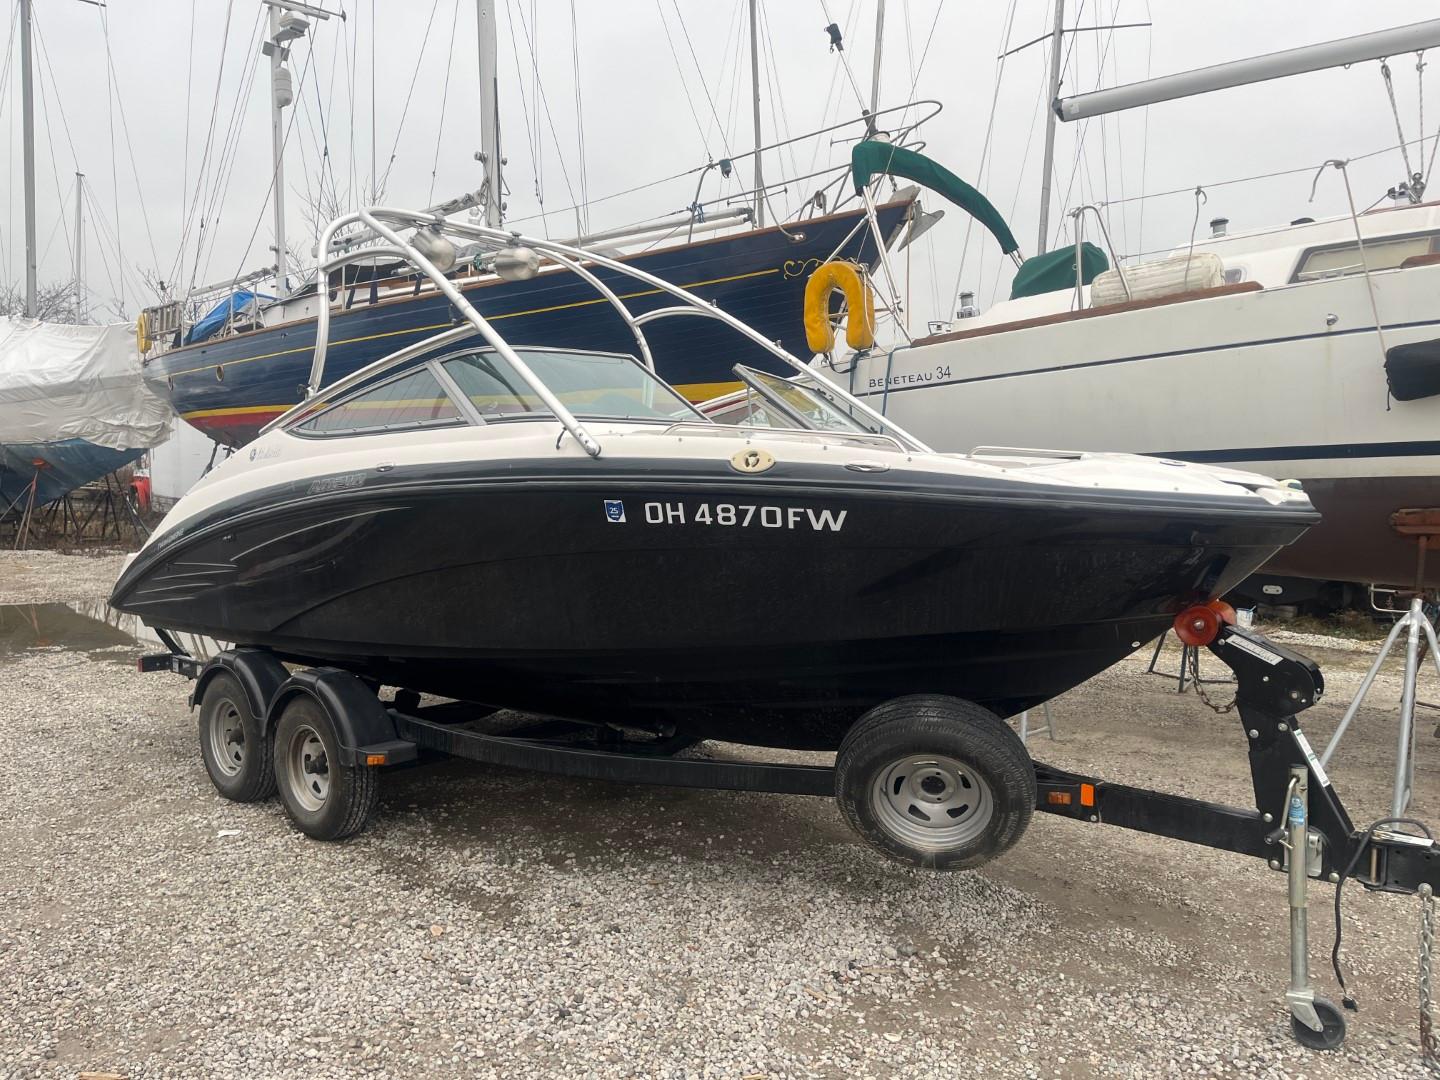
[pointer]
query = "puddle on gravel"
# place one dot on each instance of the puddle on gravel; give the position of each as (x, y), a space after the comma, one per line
(92, 627)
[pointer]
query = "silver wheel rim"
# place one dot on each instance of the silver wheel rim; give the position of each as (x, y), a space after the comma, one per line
(307, 768)
(931, 802)
(227, 739)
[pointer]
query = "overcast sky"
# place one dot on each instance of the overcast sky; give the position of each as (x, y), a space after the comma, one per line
(191, 75)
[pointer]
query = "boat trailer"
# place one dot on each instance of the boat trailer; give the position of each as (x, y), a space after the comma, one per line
(1298, 823)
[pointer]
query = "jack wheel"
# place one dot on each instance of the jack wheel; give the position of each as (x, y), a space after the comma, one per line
(1332, 1027)
(233, 743)
(326, 799)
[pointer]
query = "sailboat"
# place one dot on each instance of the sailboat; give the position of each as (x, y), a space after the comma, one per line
(250, 359)
(74, 405)
(1308, 350)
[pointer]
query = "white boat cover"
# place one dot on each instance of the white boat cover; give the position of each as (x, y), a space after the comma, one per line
(76, 382)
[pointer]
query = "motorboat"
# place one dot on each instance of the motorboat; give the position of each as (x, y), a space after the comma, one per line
(559, 530)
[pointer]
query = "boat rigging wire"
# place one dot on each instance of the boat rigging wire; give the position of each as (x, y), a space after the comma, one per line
(405, 109)
(1344, 169)
(1145, 130)
(935, 111)
(193, 201)
(831, 98)
(327, 162)
(1307, 170)
(351, 44)
(212, 209)
(114, 178)
(845, 62)
(189, 77)
(985, 146)
(684, 85)
(579, 117)
(1420, 100)
(119, 100)
(549, 117)
(700, 72)
(60, 223)
(270, 188)
(534, 145)
(10, 141)
(779, 112)
(444, 98)
(374, 172)
(1395, 112)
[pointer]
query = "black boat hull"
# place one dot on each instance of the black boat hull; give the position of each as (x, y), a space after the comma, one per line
(802, 597)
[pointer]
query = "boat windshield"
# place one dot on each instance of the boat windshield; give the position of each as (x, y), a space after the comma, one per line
(591, 385)
(803, 401)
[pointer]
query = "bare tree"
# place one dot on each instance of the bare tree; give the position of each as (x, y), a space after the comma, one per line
(53, 303)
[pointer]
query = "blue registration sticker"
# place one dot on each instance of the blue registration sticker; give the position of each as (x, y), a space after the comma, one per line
(614, 510)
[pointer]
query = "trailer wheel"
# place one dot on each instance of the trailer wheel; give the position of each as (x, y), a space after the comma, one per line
(233, 745)
(1332, 1027)
(325, 798)
(935, 782)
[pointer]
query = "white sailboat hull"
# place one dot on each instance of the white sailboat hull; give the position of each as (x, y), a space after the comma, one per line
(1287, 381)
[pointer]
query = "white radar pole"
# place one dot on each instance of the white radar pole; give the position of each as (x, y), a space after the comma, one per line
(490, 114)
(27, 99)
(80, 247)
(755, 101)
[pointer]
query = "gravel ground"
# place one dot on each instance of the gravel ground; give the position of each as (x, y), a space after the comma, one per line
(502, 924)
(35, 575)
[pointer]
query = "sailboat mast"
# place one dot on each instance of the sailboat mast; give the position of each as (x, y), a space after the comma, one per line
(277, 147)
(27, 98)
(490, 112)
(80, 247)
(755, 95)
(1056, 38)
(875, 76)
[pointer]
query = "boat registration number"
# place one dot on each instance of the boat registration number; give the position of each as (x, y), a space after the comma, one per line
(732, 515)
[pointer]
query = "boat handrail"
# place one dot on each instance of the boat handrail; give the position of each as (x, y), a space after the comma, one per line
(861, 438)
(384, 221)
(710, 311)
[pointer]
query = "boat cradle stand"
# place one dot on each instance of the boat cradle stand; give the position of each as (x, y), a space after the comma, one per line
(1296, 808)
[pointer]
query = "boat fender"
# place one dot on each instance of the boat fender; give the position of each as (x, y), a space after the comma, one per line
(143, 341)
(257, 671)
(1412, 370)
(849, 280)
(360, 719)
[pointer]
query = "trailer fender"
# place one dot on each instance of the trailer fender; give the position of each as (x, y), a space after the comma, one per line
(257, 671)
(362, 722)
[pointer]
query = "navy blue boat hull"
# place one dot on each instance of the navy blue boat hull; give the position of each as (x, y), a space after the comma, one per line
(230, 387)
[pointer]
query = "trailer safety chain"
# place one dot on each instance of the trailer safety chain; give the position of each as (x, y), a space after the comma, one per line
(1429, 1049)
(1219, 710)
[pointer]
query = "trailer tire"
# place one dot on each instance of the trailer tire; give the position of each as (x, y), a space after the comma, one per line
(233, 742)
(325, 798)
(935, 782)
